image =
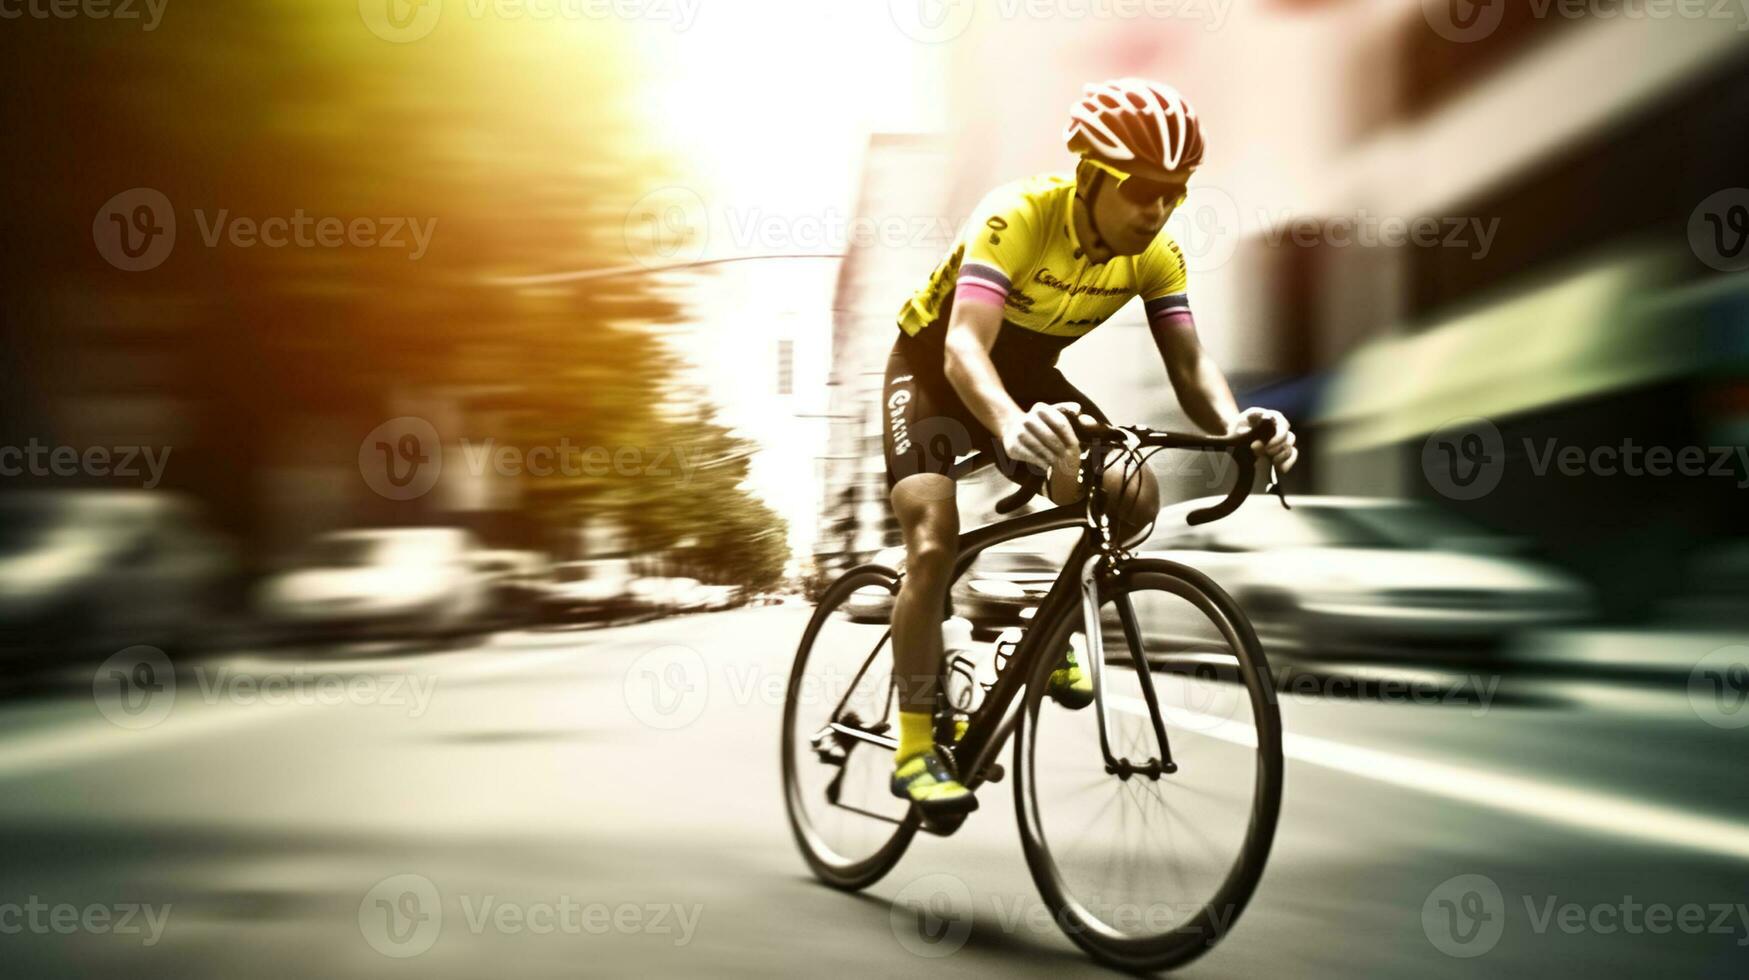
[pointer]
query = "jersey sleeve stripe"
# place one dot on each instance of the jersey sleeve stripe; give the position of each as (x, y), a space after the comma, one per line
(1163, 305)
(986, 273)
(979, 291)
(1170, 317)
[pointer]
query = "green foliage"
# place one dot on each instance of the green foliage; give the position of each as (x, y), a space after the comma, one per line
(511, 140)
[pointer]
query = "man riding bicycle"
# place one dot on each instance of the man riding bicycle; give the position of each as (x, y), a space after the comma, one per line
(1040, 263)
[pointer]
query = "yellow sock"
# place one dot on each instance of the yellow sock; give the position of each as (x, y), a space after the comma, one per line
(915, 735)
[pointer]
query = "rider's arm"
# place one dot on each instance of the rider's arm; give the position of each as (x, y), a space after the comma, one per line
(971, 332)
(1041, 434)
(1203, 392)
(1005, 244)
(1202, 389)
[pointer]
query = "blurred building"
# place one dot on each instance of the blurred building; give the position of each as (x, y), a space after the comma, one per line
(902, 179)
(1559, 164)
(1588, 320)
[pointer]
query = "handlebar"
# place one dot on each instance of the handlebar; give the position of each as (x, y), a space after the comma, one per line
(1096, 435)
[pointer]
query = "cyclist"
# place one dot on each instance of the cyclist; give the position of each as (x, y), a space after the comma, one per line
(1039, 264)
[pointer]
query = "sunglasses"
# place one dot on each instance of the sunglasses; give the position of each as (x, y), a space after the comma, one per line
(1141, 190)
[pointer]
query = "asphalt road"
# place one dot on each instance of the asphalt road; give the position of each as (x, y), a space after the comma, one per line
(556, 804)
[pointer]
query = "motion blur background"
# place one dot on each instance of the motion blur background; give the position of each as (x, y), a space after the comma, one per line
(503, 344)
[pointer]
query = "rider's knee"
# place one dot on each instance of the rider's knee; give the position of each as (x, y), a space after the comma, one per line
(929, 558)
(922, 497)
(1133, 496)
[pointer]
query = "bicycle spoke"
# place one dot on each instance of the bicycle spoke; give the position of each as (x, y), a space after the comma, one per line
(849, 826)
(1165, 842)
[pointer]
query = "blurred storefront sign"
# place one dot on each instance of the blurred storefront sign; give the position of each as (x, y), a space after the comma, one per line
(1611, 327)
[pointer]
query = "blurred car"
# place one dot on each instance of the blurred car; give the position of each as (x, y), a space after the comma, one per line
(684, 595)
(672, 596)
(720, 597)
(1715, 582)
(1001, 585)
(1360, 576)
(581, 591)
(874, 603)
(513, 581)
(379, 583)
(87, 572)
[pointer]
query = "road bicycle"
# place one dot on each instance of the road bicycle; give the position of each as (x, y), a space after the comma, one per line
(1147, 817)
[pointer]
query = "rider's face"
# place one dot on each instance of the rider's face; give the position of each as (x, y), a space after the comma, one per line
(1131, 213)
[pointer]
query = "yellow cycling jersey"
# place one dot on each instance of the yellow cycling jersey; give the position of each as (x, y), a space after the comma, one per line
(1021, 240)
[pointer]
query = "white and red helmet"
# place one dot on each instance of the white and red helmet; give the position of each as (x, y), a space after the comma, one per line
(1129, 119)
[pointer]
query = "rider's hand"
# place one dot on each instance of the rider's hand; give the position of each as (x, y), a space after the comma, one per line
(1280, 450)
(1043, 435)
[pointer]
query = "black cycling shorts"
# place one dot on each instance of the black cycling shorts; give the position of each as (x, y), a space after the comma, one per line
(925, 426)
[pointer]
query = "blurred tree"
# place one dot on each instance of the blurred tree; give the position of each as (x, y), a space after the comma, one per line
(510, 141)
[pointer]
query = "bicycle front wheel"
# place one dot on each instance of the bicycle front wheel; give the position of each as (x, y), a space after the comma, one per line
(841, 700)
(1149, 869)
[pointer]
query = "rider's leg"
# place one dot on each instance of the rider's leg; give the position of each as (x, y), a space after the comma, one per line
(1133, 499)
(924, 504)
(1132, 493)
(929, 519)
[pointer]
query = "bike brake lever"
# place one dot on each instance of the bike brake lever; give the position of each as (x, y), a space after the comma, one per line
(1275, 487)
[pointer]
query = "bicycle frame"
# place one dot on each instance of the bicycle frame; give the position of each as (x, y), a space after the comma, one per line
(982, 741)
(1101, 570)
(974, 754)
(1075, 586)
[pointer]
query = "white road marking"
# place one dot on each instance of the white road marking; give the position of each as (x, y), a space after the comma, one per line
(91, 738)
(72, 745)
(1535, 798)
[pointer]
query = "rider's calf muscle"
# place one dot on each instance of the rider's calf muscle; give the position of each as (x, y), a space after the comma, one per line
(929, 519)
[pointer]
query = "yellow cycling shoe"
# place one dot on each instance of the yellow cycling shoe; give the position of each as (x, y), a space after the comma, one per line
(926, 781)
(1071, 686)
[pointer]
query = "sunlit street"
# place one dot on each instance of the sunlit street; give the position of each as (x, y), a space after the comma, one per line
(570, 800)
(845, 488)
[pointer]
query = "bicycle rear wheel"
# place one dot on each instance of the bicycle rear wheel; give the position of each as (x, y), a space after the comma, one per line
(1150, 871)
(850, 828)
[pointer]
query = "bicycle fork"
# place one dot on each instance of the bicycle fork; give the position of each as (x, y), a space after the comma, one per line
(1122, 768)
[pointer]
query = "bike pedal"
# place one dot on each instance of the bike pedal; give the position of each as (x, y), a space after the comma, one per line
(943, 826)
(994, 772)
